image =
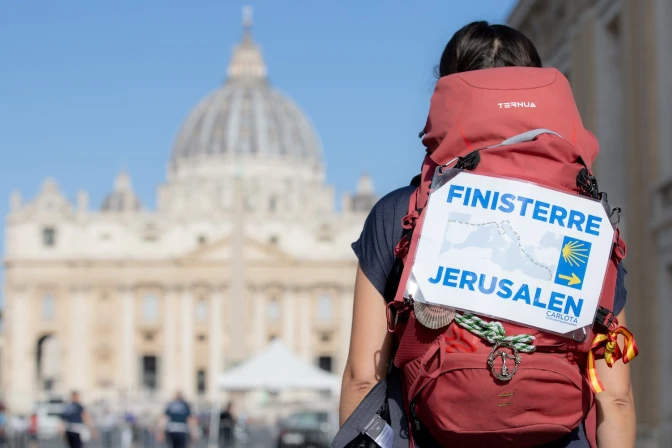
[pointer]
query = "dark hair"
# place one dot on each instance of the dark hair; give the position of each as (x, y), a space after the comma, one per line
(480, 45)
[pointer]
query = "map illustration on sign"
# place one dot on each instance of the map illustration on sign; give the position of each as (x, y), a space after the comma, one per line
(501, 244)
(513, 250)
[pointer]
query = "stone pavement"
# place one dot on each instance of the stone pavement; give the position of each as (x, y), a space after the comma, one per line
(260, 437)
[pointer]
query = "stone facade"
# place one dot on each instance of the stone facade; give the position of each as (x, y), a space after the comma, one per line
(245, 245)
(617, 57)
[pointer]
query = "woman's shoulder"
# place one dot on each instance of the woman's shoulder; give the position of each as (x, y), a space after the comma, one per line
(381, 233)
(393, 203)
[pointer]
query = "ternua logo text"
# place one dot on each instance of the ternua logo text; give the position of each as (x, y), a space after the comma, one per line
(516, 104)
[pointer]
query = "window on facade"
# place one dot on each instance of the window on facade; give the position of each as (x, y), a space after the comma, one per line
(48, 307)
(273, 310)
(150, 372)
(150, 308)
(202, 310)
(324, 311)
(325, 234)
(325, 337)
(202, 239)
(200, 382)
(272, 204)
(49, 237)
(325, 363)
(273, 240)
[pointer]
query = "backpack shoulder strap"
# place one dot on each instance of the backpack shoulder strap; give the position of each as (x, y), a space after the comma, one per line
(394, 276)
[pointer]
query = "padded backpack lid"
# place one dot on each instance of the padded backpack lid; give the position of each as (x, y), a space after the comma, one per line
(481, 108)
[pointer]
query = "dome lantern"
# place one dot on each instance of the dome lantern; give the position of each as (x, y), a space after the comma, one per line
(247, 61)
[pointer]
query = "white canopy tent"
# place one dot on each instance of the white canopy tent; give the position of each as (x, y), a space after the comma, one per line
(277, 368)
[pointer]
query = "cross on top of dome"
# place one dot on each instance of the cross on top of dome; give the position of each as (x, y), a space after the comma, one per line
(247, 62)
(247, 17)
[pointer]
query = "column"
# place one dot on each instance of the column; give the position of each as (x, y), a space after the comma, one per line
(305, 321)
(663, 56)
(128, 357)
(238, 319)
(643, 168)
(610, 127)
(215, 344)
(21, 374)
(259, 320)
(344, 327)
(187, 342)
(169, 364)
(78, 348)
(288, 319)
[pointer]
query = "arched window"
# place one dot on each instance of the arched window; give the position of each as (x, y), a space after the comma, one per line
(150, 308)
(273, 310)
(324, 308)
(49, 237)
(48, 307)
(48, 361)
(202, 310)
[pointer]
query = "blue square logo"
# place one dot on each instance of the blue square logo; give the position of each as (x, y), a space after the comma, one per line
(573, 261)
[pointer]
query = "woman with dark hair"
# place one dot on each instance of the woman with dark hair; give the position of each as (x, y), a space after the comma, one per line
(477, 46)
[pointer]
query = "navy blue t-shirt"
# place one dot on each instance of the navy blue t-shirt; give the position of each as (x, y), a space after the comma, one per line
(178, 411)
(375, 251)
(73, 413)
(382, 231)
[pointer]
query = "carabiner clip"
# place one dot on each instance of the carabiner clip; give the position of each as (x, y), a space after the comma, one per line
(585, 335)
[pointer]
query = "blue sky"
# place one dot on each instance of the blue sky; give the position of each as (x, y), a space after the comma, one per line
(89, 87)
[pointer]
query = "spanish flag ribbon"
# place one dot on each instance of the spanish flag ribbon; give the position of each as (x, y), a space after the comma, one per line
(612, 353)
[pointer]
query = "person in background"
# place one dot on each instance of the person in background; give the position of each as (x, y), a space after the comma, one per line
(3, 425)
(177, 423)
(77, 422)
(18, 426)
(127, 429)
(226, 426)
(32, 431)
(108, 423)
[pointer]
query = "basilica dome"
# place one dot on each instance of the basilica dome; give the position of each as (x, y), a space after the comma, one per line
(246, 117)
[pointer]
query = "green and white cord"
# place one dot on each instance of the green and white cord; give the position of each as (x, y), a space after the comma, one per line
(493, 332)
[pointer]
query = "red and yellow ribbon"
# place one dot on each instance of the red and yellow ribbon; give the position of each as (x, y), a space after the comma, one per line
(612, 353)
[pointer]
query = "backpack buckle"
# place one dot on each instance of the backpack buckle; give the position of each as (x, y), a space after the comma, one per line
(393, 311)
(604, 318)
(504, 374)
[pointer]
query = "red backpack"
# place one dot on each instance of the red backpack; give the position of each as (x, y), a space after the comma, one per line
(451, 393)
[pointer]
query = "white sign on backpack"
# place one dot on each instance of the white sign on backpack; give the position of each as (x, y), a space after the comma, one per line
(513, 250)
